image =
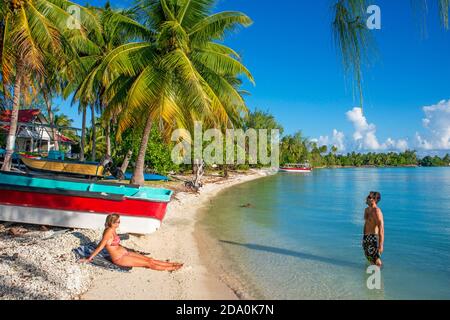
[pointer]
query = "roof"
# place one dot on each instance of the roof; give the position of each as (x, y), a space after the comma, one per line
(24, 115)
(27, 116)
(63, 138)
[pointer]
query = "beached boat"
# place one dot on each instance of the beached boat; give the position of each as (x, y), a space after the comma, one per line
(74, 168)
(76, 203)
(296, 168)
(147, 177)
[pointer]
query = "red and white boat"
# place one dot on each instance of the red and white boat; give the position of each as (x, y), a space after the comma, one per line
(296, 168)
(77, 203)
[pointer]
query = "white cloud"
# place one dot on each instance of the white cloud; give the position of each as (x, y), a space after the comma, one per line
(365, 137)
(437, 124)
(337, 140)
(435, 137)
(402, 145)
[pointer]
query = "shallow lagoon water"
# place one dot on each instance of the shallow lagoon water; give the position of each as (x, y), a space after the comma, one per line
(300, 238)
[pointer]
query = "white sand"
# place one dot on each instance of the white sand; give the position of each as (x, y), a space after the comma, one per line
(175, 240)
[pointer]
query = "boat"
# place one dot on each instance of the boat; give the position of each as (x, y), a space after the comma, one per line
(73, 168)
(296, 168)
(77, 203)
(147, 177)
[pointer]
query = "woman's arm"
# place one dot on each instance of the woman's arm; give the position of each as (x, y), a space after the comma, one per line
(100, 246)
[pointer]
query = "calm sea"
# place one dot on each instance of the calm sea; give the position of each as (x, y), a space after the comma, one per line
(299, 236)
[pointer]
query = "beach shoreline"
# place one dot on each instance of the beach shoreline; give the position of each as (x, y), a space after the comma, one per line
(178, 239)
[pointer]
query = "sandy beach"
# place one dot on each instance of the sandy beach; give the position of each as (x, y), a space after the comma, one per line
(38, 262)
(176, 241)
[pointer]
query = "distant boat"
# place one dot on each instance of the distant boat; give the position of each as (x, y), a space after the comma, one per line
(75, 168)
(296, 168)
(75, 203)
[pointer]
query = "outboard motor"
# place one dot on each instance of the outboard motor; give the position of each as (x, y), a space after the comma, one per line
(109, 166)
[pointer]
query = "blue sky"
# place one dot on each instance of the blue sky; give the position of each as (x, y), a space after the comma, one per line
(299, 78)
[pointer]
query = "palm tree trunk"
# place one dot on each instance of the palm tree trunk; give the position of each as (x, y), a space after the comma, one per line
(11, 141)
(108, 139)
(225, 170)
(138, 174)
(83, 135)
(93, 132)
(52, 121)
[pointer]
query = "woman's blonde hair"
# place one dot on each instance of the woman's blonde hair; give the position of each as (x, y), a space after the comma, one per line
(111, 219)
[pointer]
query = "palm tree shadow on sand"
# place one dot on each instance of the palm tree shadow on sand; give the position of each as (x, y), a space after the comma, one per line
(296, 254)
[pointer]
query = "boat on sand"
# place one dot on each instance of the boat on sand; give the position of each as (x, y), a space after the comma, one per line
(76, 203)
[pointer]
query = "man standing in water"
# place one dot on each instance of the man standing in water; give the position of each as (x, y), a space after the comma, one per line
(373, 239)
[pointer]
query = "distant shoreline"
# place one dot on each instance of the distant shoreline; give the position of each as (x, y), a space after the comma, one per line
(374, 166)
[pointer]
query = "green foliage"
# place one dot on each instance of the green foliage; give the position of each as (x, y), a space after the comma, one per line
(158, 154)
(294, 149)
(259, 119)
(435, 161)
(2, 140)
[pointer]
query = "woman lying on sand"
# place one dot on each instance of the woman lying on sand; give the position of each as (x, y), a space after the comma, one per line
(121, 256)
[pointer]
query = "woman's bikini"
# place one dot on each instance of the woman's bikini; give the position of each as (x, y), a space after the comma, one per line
(115, 242)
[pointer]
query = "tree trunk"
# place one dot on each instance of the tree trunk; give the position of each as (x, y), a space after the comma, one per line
(11, 140)
(225, 170)
(52, 122)
(108, 139)
(93, 132)
(83, 135)
(126, 161)
(138, 174)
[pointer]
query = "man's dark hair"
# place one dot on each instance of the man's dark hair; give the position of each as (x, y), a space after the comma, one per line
(375, 196)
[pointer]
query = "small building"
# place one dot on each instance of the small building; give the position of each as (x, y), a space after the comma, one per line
(34, 134)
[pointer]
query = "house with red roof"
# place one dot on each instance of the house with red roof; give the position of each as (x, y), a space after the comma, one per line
(34, 133)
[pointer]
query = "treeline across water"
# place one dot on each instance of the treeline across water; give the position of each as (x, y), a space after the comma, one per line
(390, 159)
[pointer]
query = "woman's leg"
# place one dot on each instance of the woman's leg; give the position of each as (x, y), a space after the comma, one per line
(132, 261)
(157, 262)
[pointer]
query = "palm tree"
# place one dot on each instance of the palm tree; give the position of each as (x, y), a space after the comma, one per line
(354, 38)
(85, 73)
(178, 73)
(99, 144)
(31, 29)
(62, 122)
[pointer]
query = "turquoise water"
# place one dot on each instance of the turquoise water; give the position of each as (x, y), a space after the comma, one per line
(301, 236)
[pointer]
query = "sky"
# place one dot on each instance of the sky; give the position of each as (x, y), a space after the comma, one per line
(292, 55)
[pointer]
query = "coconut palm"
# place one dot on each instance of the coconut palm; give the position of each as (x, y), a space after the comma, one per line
(30, 30)
(354, 38)
(99, 144)
(63, 123)
(178, 74)
(84, 73)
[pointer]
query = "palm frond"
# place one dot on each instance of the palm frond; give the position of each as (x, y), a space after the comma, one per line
(353, 38)
(216, 26)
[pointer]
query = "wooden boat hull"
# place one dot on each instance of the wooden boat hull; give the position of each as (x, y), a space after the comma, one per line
(76, 203)
(75, 219)
(64, 167)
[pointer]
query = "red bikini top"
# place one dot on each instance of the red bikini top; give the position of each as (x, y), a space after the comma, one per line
(115, 241)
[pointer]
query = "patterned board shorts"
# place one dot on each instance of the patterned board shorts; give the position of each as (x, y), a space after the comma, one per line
(370, 246)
